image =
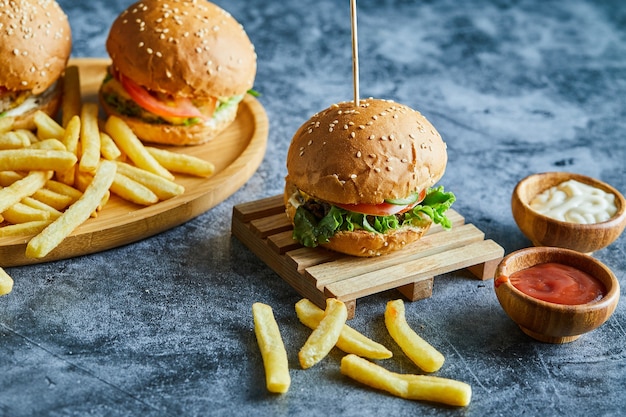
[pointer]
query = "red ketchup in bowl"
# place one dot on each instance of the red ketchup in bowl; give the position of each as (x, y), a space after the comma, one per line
(558, 283)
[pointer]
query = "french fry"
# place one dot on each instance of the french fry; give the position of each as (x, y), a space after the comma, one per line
(89, 138)
(325, 335)
(24, 229)
(52, 144)
(22, 213)
(182, 163)
(350, 340)
(162, 187)
(24, 187)
(11, 140)
(36, 160)
(70, 141)
(272, 348)
(407, 386)
(6, 282)
(64, 189)
(72, 101)
(40, 245)
(53, 199)
(108, 148)
(47, 127)
(132, 191)
(26, 135)
(6, 123)
(39, 205)
(130, 144)
(416, 349)
(9, 177)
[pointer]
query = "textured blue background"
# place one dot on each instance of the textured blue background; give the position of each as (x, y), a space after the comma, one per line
(164, 327)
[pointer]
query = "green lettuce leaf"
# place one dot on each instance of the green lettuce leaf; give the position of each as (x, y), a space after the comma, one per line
(310, 231)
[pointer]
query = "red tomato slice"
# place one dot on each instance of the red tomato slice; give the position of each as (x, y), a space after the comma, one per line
(180, 107)
(383, 209)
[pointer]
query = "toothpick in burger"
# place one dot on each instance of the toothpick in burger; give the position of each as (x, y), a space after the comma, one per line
(361, 180)
(35, 45)
(179, 70)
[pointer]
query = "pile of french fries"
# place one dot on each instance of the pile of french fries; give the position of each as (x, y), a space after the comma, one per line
(329, 329)
(55, 178)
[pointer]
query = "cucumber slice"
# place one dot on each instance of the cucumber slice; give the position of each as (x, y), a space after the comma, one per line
(403, 201)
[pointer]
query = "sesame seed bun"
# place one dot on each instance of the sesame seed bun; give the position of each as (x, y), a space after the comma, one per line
(36, 44)
(191, 49)
(366, 154)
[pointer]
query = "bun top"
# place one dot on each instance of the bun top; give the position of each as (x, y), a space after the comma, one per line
(190, 48)
(366, 154)
(36, 44)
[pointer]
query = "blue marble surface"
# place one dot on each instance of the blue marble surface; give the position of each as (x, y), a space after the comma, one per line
(163, 327)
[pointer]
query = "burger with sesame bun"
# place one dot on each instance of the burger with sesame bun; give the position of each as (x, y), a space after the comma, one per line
(179, 70)
(36, 44)
(360, 179)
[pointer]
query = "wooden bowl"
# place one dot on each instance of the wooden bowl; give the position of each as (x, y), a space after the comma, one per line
(546, 321)
(545, 231)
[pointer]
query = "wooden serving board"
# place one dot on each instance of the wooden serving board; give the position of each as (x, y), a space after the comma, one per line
(236, 154)
(317, 273)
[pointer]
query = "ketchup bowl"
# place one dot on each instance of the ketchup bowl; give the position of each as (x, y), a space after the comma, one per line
(555, 321)
(543, 230)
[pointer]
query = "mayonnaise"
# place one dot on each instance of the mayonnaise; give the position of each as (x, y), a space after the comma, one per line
(575, 202)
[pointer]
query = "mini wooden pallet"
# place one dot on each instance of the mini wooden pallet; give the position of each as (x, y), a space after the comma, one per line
(318, 273)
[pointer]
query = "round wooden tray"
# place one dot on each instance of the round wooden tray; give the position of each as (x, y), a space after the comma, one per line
(236, 153)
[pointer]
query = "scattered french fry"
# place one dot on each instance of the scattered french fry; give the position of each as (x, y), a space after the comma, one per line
(36, 160)
(89, 138)
(40, 245)
(6, 282)
(24, 187)
(53, 199)
(130, 144)
(417, 349)
(325, 335)
(272, 348)
(182, 163)
(72, 101)
(407, 386)
(350, 340)
(51, 144)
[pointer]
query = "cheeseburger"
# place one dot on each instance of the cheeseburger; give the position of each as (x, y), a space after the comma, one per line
(36, 44)
(360, 179)
(179, 70)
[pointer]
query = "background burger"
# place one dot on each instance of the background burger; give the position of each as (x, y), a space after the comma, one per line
(179, 70)
(35, 45)
(360, 179)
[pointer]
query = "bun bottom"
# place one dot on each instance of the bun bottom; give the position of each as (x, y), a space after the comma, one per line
(360, 242)
(175, 135)
(51, 107)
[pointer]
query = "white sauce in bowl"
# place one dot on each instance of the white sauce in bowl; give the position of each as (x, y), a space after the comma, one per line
(575, 202)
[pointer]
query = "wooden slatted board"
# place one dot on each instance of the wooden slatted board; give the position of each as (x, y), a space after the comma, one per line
(318, 273)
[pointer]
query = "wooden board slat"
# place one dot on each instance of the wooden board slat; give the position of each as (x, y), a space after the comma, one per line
(317, 273)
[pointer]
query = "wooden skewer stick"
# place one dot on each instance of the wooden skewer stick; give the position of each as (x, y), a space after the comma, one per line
(355, 53)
